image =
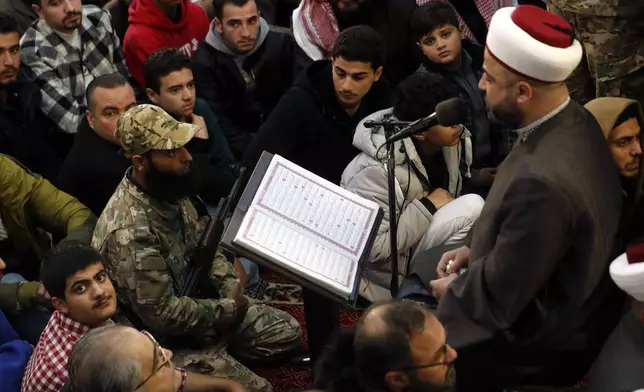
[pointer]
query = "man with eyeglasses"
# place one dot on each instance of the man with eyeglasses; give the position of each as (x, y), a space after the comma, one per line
(396, 346)
(122, 359)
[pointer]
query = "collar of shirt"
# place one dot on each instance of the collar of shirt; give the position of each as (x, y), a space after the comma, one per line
(466, 61)
(184, 378)
(70, 326)
(525, 132)
(47, 367)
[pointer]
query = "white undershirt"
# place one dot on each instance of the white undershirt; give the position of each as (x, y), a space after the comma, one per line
(73, 40)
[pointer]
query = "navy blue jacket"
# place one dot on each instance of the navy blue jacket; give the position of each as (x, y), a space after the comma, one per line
(14, 355)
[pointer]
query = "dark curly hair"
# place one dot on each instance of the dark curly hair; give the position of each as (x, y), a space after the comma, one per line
(431, 16)
(62, 262)
(8, 24)
(360, 43)
(418, 94)
(162, 63)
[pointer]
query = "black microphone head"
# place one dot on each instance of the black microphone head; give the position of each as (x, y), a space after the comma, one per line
(451, 112)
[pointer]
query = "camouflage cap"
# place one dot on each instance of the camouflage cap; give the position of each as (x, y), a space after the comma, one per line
(147, 127)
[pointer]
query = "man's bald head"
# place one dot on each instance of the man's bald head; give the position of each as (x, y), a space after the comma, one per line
(103, 361)
(396, 346)
(382, 316)
(382, 339)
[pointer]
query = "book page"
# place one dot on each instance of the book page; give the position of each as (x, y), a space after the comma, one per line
(309, 225)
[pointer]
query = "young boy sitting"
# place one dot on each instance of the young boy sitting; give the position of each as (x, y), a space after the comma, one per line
(428, 176)
(84, 298)
(435, 26)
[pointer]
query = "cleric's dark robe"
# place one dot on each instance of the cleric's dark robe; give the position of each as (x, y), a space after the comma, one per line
(532, 306)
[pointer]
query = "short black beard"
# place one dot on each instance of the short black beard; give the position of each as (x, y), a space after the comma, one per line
(510, 120)
(171, 187)
(417, 385)
(9, 87)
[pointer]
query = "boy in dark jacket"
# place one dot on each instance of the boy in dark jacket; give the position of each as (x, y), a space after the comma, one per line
(435, 26)
(171, 86)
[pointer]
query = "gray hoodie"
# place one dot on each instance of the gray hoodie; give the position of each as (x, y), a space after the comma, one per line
(215, 40)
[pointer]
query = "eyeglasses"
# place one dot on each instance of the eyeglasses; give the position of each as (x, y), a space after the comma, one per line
(410, 368)
(157, 348)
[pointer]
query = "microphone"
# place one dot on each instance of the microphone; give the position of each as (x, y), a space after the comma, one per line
(448, 113)
(387, 120)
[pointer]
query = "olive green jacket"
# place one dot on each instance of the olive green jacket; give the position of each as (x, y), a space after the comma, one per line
(31, 207)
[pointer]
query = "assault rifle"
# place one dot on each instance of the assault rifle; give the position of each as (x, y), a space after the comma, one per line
(208, 244)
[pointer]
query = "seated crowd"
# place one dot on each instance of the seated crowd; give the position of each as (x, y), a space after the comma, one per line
(122, 127)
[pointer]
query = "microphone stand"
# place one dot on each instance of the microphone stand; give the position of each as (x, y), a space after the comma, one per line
(390, 126)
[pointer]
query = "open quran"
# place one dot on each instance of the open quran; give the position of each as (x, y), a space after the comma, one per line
(297, 223)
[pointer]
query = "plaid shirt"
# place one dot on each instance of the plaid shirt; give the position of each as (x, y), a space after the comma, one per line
(47, 368)
(57, 67)
(525, 132)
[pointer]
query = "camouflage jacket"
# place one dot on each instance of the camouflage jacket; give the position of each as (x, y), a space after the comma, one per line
(625, 8)
(610, 31)
(145, 243)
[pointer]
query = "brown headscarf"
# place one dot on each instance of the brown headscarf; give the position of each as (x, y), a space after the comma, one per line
(608, 110)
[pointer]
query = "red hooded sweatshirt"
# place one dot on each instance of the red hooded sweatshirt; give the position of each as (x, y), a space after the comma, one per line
(150, 30)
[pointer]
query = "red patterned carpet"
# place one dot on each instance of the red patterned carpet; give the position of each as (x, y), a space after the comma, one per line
(288, 378)
(291, 378)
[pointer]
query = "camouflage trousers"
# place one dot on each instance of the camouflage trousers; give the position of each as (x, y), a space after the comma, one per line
(265, 332)
(613, 62)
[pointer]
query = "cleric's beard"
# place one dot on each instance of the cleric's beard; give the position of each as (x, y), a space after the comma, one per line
(511, 118)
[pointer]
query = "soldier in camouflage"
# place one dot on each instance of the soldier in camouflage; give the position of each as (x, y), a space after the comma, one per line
(146, 233)
(612, 33)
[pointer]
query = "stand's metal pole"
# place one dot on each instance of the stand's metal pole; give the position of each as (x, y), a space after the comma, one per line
(393, 220)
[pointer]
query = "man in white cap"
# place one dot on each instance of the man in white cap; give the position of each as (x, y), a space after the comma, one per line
(531, 307)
